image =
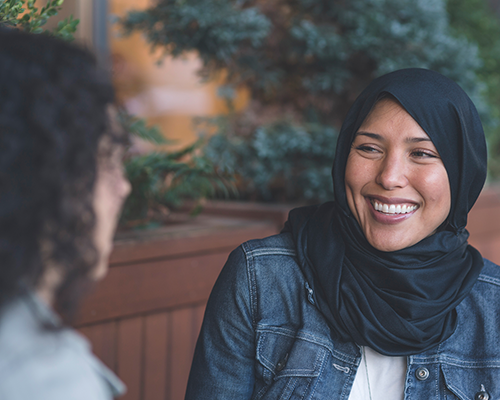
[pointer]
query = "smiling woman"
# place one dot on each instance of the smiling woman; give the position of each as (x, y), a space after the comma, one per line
(396, 183)
(377, 294)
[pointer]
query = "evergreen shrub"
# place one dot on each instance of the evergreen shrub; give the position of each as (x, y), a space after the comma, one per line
(281, 161)
(163, 180)
(303, 63)
(476, 21)
(23, 14)
(160, 181)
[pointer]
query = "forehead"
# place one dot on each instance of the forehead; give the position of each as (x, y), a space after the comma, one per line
(383, 106)
(389, 119)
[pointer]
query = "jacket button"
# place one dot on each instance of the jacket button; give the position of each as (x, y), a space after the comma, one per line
(482, 396)
(422, 373)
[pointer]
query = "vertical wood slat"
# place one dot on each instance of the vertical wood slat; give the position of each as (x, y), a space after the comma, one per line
(181, 348)
(148, 336)
(103, 339)
(199, 313)
(185, 328)
(156, 354)
(130, 356)
(152, 354)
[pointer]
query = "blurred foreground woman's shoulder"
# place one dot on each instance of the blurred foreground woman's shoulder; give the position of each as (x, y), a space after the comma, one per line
(40, 360)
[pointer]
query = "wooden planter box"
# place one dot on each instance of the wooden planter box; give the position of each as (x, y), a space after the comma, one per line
(276, 214)
(143, 320)
(484, 224)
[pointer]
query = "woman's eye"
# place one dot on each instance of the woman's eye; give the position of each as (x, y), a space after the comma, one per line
(366, 149)
(423, 154)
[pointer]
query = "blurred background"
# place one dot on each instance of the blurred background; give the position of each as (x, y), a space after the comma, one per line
(267, 84)
(234, 107)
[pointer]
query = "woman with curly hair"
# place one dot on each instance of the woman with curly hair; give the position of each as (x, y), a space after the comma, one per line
(61, 191)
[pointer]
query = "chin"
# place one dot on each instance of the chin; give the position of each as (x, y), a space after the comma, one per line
(389, 245)
(100, 270)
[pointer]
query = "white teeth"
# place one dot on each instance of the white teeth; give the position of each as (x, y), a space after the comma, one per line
(393, 209)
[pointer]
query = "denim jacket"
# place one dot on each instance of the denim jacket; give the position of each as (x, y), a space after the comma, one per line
(264, 338)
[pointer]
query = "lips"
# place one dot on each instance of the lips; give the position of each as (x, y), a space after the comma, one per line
(393, 208)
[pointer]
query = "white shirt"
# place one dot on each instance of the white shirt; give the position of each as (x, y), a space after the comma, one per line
(386, 377)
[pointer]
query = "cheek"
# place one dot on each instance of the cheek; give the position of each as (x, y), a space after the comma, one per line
(355, 179)
(116, 191)
(358, 173)
(111, 191)
(437, 192)
(352, 171)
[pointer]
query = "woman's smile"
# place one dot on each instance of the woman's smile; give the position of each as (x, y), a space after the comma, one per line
(396, 184)
(390, 211)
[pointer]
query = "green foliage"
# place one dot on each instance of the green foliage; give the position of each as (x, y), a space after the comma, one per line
(162, 181)
(475, 21)
(138, 127)
(307, 52)
(217, 29)
(159, 180)
(282, 161)
(23, 14)
(303, 58)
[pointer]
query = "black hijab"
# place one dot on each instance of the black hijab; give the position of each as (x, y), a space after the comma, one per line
(401, 302)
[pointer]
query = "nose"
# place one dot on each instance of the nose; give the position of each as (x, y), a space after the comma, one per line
(392, 173)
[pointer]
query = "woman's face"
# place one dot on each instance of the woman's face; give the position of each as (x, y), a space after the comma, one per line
(396, 184)
(111, 188)
(110, 192)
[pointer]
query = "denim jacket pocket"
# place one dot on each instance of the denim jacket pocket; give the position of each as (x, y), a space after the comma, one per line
(289, 362)
(472, 381)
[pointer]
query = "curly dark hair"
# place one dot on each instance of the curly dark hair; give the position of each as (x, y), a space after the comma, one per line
(53, 115)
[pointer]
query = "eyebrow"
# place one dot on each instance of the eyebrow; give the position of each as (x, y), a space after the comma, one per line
(376, 136)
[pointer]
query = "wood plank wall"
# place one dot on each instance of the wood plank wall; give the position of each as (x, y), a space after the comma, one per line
(152, 353)
(144, 318)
